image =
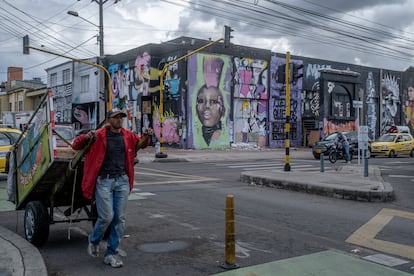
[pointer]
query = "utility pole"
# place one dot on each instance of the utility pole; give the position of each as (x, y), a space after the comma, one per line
(287, 125)
(100, 40)
(101, 31)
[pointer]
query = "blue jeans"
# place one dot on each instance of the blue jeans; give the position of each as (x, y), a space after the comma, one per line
(111, 196)
(346, 151)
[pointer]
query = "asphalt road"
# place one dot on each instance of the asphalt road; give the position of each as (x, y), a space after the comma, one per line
(176, 221)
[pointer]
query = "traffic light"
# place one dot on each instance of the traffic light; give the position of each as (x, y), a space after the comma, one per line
(294, 72)
(26, 42)
(227, 36)
(281, 74)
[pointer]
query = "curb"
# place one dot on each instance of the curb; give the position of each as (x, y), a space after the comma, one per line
(336, 191)
(25, 257)
(168, 160)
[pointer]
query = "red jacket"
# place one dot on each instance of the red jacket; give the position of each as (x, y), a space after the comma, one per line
(96, 154)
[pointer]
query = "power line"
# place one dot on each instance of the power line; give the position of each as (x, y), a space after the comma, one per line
(40, 33)
(260, 17)
(265, 18)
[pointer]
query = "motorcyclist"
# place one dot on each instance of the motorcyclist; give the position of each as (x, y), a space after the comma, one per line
(342, 141)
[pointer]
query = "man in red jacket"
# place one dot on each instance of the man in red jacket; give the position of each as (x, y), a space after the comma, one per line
(109, 175)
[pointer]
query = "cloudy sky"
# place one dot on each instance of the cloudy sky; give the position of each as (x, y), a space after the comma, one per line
(378, 33)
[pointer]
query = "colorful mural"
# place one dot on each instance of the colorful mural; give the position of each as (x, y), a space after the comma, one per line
(33, 155)
(172, 128)
(131, 85)
(142, 74)
(409, 104)
(120, 85)
(209, 97)
(371, 101)
(250, 100)
(277, 105)
(216, 100)
(330, 126)
(84, 115)
(169, 129)
(390, 101)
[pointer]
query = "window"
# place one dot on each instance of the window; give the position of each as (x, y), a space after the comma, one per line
(66, 76)
(341, 103)
(20, 106)
(53, 79)
(84, 84)
(4, 140)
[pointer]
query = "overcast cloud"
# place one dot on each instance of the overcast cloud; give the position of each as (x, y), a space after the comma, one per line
(378, 33)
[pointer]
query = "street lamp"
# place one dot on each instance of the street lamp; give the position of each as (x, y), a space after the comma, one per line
(100, 27)
(100, 39)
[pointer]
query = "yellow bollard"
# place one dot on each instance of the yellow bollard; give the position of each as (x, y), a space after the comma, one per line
(230, 250)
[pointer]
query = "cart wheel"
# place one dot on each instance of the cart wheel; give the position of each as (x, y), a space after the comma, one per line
(36, 223)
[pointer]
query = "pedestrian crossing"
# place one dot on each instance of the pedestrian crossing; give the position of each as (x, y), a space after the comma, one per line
(305, 165)
(148, 176)
(137, 194)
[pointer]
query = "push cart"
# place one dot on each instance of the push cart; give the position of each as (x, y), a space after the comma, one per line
(46, 178)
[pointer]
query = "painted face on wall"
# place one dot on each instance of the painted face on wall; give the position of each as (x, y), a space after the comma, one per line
(411, 93)
(209, 106)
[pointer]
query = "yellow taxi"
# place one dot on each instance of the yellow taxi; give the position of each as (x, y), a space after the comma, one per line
(393, 144)
(8, 136)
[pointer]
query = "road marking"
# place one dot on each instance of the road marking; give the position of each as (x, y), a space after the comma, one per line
(365, 235)
(169, 218)
(263, 165)
(400, 176)
(385, 260)
(145, 194)
(243, 249)
(172, 177)
(266, 165)
(293, 168)
(398, 162)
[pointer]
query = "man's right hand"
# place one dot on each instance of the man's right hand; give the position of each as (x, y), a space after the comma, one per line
(91, 134)
(149, 131)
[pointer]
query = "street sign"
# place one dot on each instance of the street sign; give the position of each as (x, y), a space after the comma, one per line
(357, 104)
(363, 137)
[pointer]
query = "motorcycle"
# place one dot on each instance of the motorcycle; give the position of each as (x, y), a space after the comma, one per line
(337, 153)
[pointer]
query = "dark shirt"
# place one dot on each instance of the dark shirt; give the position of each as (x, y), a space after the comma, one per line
(114, 162)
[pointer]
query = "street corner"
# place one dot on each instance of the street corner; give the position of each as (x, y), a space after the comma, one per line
(330, 184)
(369, 235)
(327, 262)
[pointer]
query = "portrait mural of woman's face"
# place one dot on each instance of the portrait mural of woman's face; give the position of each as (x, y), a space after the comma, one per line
(210, 107)
(210, 101)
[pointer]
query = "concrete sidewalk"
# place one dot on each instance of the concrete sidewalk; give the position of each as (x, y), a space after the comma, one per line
(19, 257)
(347, 182)
(325, 263)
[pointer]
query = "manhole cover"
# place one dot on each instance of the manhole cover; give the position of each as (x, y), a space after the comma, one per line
(160, 247)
